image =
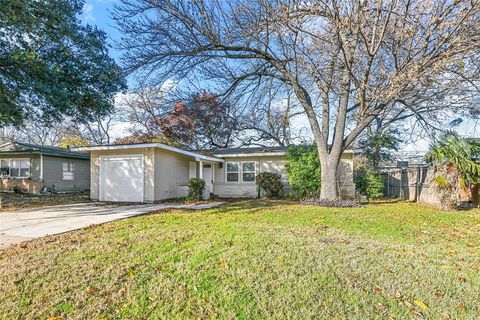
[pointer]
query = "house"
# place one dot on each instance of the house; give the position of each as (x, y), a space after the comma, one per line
(33, 167)
(150, 172)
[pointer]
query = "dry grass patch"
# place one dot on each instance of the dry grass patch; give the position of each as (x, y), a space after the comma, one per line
(253, 259)
(16, 201)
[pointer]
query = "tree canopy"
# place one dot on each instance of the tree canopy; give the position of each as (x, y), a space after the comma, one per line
(52, 65)
(347, 63)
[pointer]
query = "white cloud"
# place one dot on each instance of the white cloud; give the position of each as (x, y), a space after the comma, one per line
(87, 13)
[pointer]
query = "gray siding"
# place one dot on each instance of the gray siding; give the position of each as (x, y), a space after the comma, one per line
(53, 174)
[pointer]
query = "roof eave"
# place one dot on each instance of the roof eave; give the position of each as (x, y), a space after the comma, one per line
(260, 154)
(195, 155)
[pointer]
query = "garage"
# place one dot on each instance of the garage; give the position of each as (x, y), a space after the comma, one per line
(122, 178)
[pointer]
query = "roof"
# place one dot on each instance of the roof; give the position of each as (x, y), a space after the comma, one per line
(254, 151)
(196, 155)
(27, 148)
(215, 155)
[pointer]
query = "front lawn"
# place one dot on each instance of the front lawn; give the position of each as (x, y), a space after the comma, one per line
(253, 259)
(17, 201)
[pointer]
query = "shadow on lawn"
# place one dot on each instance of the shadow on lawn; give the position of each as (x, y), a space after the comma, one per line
(249, 205)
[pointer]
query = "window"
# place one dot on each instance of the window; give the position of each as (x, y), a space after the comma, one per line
(232, 171)
(15, 168)
(68, 170)
(24, 168)
(248, 169)
(5, 167)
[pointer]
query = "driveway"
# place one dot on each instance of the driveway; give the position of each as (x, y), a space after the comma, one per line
(16, 227)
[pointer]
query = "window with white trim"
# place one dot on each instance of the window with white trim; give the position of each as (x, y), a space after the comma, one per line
(5, 167)
(248, 171)
(233, 169)
(15, 168)
(68, 170)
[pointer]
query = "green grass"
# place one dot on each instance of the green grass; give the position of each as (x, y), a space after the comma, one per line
(253, 259)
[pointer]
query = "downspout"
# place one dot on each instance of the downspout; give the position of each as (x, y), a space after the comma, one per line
(41, 167)
(417, 187)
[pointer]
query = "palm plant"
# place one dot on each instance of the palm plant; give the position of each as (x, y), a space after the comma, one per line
(456, 166)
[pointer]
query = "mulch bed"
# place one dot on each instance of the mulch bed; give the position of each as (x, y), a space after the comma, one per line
(338, 203)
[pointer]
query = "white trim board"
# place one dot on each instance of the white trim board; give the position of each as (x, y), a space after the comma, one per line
(195, 155)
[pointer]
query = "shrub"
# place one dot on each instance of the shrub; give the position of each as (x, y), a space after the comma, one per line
(196, 187)
(17, 189)
(270, 183)
(369, 183)
(303, 170)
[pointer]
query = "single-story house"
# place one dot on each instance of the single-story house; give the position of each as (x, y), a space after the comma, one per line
(151, 172)
(32, 167)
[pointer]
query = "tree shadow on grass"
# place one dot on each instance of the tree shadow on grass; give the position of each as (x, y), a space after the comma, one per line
(241, 206)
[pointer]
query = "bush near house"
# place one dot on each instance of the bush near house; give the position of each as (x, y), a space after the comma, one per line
(303, 170)
(270, 183)
(196, 187)
(369, 183)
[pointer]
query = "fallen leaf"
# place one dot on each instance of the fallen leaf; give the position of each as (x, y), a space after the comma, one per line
(378, 289)
(421, 305)
(53, 318)
(89, 291)
(417, 314)
(445, 314)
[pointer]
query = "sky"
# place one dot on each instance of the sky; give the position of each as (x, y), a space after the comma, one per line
(97, 12)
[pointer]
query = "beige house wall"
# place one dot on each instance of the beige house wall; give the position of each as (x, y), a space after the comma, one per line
(148, 166)
(275, 164)
(171, 174)
(167, 174)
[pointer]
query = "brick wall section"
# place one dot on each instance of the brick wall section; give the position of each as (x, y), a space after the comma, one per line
(27, 185)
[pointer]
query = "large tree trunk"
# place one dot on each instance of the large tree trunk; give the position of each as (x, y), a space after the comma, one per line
(329, 187)
(475, 195)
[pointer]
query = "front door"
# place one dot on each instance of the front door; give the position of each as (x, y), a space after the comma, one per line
(208, 177)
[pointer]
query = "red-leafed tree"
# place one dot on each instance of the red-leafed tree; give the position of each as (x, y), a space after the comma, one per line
(203, 121)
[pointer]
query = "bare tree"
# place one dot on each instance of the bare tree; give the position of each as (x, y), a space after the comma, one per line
(272, 121)
(33, 133)
(97, 132)
(347, 62)
(140, 106)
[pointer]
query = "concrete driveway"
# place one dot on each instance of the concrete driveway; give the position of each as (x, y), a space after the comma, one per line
(16, 227)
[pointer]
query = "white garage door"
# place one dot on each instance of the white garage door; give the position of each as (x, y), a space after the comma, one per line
(121, 178)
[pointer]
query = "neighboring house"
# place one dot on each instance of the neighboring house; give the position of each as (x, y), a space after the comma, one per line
(32, 167)
(153, 171)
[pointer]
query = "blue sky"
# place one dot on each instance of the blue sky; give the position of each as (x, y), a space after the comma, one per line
(96, 12)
